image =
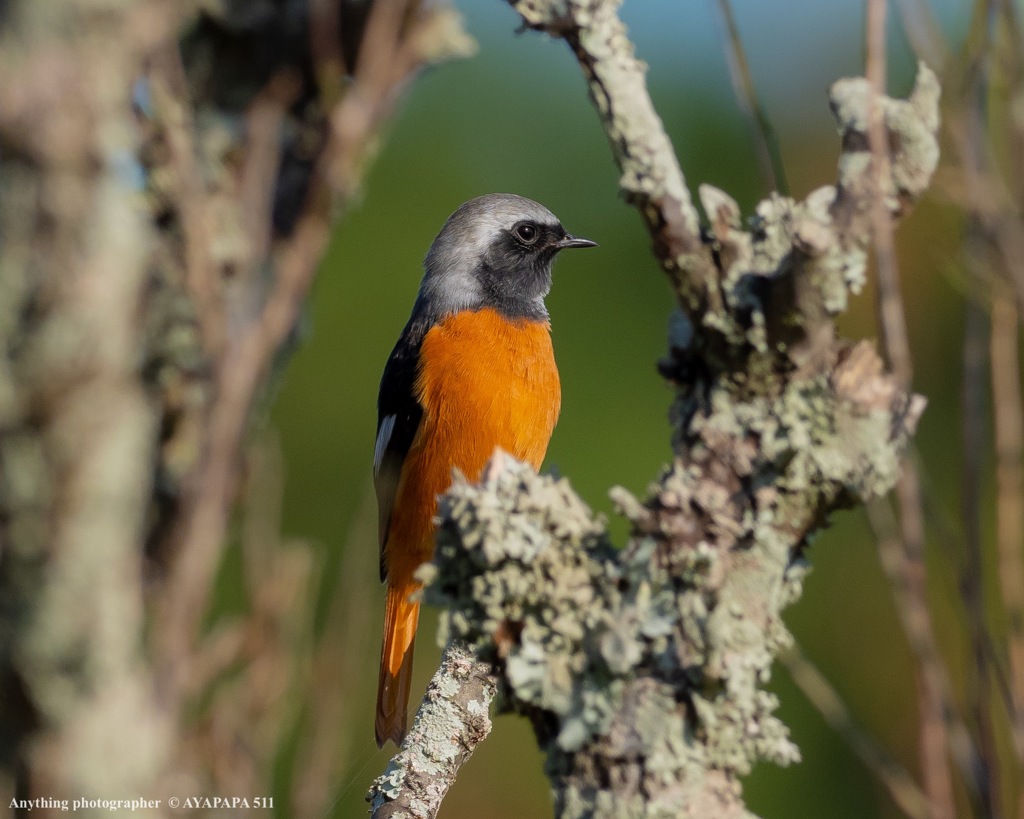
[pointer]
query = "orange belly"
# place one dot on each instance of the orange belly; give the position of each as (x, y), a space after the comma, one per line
(485, 381)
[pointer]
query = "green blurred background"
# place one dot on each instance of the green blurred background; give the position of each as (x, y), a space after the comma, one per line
(516, 118)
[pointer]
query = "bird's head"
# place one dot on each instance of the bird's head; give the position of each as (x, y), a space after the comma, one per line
(495, 251)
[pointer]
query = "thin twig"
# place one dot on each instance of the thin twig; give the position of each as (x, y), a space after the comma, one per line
(923, 31)
(769, 155)
(942, 528)
(894, 778)
(202, 279)
(892, 317)
(247, 357)
(905, 580)
(1001, 244)
(259, 173)
(979, 694)
(1008, 410)
(347, 634)
(325, 46)
(991, 200)
(910, 579)
(268, 648)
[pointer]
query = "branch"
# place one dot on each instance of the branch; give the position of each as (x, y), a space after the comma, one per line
(301, 199)
(1009, 437)
(911, 607)
(452, 720)
(911, 571)
(769, 155)
(901, 786)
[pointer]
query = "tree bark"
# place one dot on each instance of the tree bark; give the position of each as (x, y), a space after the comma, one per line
(453, 719)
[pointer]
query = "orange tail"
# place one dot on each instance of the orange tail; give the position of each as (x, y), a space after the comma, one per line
(393, 686)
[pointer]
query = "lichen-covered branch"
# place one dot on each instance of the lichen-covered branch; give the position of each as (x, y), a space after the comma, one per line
(76, 429)
(453, 719)
(643, 670)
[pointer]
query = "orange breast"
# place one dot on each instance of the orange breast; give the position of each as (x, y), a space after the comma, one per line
(485, 381)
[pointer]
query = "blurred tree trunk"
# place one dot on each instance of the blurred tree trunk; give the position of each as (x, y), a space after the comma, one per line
(169, 175)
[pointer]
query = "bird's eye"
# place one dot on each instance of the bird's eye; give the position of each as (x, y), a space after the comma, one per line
(526, 233)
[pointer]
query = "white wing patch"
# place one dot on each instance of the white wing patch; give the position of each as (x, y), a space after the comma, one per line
(387, 426)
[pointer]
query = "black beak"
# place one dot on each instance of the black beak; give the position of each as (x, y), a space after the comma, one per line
(574, 241)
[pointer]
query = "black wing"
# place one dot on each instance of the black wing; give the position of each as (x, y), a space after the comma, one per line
(398, 419)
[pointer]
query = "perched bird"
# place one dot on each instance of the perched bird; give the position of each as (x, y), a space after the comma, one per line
(472, 370)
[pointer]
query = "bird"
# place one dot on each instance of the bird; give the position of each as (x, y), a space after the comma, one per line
(473, 370)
